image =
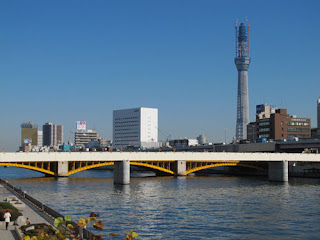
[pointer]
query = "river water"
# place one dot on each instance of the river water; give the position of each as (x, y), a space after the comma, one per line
(192, 207)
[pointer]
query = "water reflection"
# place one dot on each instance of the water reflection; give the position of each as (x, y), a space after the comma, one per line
(192, 207)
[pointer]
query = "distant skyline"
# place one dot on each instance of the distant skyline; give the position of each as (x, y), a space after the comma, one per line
(66, 61)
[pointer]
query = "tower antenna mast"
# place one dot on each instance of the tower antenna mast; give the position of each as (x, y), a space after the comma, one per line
(248, 27)
(236, 31)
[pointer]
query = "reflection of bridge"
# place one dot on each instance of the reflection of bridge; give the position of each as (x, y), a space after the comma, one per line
(63, 164)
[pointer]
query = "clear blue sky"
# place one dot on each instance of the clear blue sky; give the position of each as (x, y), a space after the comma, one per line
(65, 61)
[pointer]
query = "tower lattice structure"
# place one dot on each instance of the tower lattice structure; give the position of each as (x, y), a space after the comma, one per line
(242, 61)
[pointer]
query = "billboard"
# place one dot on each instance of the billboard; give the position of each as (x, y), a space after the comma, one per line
(81, 125)
(26, 141)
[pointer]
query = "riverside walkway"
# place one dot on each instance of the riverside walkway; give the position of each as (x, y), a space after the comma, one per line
(28, 211)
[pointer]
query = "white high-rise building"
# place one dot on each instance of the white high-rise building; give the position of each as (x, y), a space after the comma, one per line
(40, 140)
(318, 113)
(136, 127)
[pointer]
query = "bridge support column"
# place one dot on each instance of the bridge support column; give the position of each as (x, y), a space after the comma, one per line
(181, 168)
(121, 172)
(62, 169)
(278, 171)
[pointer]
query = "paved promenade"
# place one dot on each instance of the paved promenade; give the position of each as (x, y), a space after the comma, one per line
(28, 212)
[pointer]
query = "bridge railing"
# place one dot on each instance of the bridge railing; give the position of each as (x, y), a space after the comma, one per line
(52, 214)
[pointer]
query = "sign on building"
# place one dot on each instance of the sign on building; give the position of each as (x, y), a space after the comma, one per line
(81, 125)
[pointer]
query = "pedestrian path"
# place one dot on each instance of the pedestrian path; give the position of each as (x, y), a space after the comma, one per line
(28, 212)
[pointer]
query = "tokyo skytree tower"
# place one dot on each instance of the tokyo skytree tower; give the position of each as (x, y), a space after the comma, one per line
(242, 61)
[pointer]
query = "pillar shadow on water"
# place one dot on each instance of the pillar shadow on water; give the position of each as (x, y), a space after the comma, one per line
(121, 188)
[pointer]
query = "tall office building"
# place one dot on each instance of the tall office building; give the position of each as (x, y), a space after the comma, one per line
(52, 134)
(29, 133)
(136, 127)
(315, 132)
(318, 113)
(242, 61)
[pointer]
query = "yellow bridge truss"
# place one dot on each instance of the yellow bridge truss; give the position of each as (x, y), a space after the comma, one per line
(163, 166)
(44, 167)
(194, 166)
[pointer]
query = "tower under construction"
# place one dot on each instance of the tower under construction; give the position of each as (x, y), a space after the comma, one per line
(242, 61)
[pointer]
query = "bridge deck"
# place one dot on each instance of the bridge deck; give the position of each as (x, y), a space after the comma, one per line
(156, 156)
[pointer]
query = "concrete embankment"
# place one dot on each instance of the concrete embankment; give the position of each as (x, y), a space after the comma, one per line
(31, 208)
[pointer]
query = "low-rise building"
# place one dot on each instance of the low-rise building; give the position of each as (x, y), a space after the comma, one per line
(82, 138)
(181, 143)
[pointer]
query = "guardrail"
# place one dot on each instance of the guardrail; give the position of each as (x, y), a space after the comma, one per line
(49, 212)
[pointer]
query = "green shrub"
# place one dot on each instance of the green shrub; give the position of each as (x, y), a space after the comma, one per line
(6, 205)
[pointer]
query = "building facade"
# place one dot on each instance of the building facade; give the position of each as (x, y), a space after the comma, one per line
(278, 126)
(40, 138)
(318, 113)
(52, 134)
(315, 132)
(84, 137)
(29, 134)
(136, 127)
(183, 143)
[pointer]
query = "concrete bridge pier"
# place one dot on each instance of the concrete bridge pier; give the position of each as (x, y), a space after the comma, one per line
(181, 168)
(62, 169)
(121, 172)
(278, 171)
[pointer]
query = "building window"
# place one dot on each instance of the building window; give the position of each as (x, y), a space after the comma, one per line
(298, 124)
(264, 135)
(298, 135)
(264, 123)
(298, 129)
(264, 129)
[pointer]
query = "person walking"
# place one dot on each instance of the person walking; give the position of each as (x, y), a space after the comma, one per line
(7, 217)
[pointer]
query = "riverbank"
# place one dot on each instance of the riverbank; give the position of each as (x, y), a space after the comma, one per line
(36, 211)
(28, 212)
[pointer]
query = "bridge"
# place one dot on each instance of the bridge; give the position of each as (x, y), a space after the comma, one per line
(63, 164)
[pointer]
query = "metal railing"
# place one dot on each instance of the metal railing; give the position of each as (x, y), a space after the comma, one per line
(83, 233)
